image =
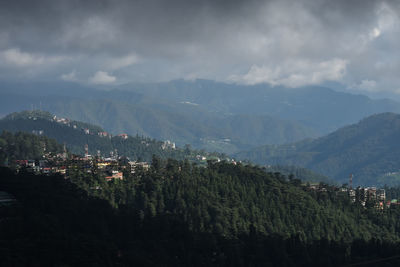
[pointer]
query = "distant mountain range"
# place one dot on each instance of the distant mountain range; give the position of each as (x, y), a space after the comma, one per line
(320, 108)
(369, 149)
(210, 115)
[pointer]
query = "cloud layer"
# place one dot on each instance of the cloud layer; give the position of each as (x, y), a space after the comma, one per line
(295, 73)
(291, 43)
(102, 77)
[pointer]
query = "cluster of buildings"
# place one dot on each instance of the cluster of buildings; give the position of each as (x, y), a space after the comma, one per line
(201, 157)
(61, 120)
(43, 166)
(168, 145)
(110, 168)
(371, 195)
(361, 195)
(68, 122)
(368, 194)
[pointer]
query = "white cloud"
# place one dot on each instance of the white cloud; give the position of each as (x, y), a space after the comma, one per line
(387, 17)
(102, 77)
(295, 73)
(375, 33)
(386, 20)
(70, 77)
(16, 57)
(366, 85)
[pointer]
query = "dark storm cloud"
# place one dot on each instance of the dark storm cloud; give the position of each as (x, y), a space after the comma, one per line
(117, 26)
(281, 42)
(36, 25)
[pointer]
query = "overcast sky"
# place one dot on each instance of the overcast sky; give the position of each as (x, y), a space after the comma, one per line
(290, 43)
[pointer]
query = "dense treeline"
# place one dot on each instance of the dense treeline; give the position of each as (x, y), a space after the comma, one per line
(222, 215)
(53, 223)
(301, 173)
(25, 146)
(392, 192)
(178, 215)
(227, 199)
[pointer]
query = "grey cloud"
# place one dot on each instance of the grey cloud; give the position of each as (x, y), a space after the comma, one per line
(220, 39)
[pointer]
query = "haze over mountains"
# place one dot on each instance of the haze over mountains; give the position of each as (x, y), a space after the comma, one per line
(369, 149)
(207, 114)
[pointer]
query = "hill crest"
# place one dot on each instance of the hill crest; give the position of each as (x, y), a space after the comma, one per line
(368, 149)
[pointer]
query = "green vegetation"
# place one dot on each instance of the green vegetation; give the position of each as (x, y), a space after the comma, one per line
(228, 199)
(392, 192)
(180, 214)
(303, 174)
(135, 147)
(186, 214)
(44, 115)
(21, 146)
(368, 149)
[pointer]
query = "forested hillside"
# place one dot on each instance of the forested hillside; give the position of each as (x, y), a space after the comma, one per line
(75, 138)
(186, 215)
(369, 149)
(44, 115)
(228, 199)
(26, 146)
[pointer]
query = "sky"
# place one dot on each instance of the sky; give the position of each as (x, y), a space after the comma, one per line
(291, 43)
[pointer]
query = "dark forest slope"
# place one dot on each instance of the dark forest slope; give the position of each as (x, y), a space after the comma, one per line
(369, 150)
(181, 215)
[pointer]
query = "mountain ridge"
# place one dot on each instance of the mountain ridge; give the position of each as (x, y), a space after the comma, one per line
(202, 113)
(368, 149)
